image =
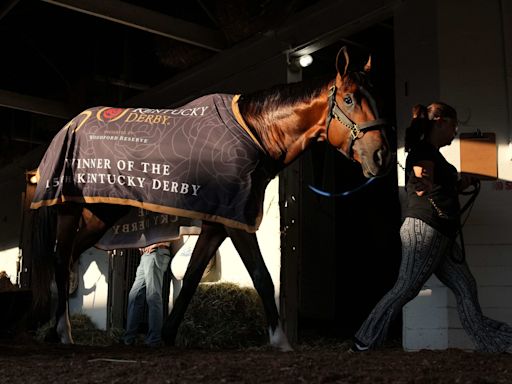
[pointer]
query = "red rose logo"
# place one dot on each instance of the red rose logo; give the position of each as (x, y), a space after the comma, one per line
(112, 113)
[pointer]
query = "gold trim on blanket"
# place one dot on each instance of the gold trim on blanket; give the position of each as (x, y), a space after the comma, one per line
(150, 207)
(241, 121)
(87, 114)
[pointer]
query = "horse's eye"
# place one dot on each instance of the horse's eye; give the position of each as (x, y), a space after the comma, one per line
(347, 100)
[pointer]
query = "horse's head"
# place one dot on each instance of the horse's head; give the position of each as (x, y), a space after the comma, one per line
(353, 124)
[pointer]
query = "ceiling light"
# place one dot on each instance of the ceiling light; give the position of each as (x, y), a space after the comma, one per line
(299, 62)
(305, 60)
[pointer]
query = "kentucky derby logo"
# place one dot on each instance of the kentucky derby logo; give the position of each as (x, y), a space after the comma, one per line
(110, 114)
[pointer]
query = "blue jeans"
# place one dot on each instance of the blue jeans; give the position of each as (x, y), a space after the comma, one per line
(147, 287)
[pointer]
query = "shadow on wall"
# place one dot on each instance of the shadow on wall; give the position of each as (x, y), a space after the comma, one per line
(90, 296)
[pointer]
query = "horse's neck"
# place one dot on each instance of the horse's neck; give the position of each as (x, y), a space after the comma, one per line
(287, 131)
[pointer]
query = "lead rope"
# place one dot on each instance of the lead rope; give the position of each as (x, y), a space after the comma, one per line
(335, 112)
(469, 205)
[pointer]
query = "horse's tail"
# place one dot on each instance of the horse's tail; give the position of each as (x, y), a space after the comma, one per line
(43, 261)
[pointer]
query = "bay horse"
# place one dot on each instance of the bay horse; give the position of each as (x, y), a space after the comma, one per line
(281, 122)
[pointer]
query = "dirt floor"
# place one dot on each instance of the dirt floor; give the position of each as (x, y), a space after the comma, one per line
(31, 362)
(205, 358)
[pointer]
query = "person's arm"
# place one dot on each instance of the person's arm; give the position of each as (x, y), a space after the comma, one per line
(422, 177)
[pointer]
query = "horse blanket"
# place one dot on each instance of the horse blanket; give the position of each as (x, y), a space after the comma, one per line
(199, 161)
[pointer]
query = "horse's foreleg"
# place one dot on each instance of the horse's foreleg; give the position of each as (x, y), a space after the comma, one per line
(211, 237)
(67, 224)
(247, 246)
(93, 228)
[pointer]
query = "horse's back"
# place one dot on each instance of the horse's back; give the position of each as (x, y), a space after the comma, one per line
(194, 161)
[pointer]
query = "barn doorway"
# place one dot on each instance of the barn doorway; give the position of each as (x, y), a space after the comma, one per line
(340, 255)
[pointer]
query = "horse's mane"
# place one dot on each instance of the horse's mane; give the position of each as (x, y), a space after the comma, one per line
(266, 101)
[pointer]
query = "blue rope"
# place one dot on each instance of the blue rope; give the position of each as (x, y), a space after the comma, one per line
(345, 193)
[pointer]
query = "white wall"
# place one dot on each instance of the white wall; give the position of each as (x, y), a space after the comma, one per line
(92, 292)
(233, 270)
(8, 259)
(468, 60)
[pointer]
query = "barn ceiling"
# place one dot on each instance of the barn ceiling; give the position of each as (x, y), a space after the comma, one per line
(62, 56)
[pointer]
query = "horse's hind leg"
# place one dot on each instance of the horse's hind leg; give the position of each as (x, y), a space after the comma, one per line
(247, 246)
(211, 237)
(97, 219)
(68, 218)
(71, 244)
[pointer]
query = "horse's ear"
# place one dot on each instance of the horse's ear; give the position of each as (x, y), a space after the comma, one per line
(355, 61)
(342, 61)
(368, 65)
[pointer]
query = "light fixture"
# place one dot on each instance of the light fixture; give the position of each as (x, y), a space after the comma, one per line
(305, 60)
(31, 176)
(299, 62)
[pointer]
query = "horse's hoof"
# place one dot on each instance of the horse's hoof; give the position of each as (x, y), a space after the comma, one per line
(279, 340)
(285, 348)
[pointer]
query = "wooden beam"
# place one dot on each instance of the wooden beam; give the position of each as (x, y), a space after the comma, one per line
(309, 30)
(198, 79)
(6, 8)
(33, 104)
(147, 20)
(331, 21)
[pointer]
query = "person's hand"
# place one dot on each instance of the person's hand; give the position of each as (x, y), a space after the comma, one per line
(421, 184)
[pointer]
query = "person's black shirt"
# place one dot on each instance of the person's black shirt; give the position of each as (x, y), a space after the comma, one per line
(440, 207)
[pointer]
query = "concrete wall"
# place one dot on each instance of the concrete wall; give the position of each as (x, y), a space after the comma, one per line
(92, 292)
(269, 239)
(8, 262)
(458, 55)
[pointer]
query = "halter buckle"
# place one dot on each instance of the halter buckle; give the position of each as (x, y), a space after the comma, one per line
(354, 131)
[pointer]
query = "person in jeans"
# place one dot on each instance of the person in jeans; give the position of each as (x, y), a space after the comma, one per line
(147, 287)
(428, 235)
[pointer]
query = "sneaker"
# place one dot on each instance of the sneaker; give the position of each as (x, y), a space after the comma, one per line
(358, 347)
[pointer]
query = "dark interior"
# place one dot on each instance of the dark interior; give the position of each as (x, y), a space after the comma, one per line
(356, 235)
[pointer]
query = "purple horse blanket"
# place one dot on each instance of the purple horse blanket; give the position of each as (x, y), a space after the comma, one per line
(198, 161)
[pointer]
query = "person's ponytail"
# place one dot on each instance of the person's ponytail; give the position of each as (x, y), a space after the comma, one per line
(418, 128)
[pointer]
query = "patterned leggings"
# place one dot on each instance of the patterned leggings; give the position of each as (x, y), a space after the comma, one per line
(425, 251)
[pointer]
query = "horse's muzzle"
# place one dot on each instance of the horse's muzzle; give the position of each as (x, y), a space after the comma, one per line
(381, 160)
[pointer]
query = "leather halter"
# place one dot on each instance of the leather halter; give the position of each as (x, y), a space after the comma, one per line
(355, 129)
